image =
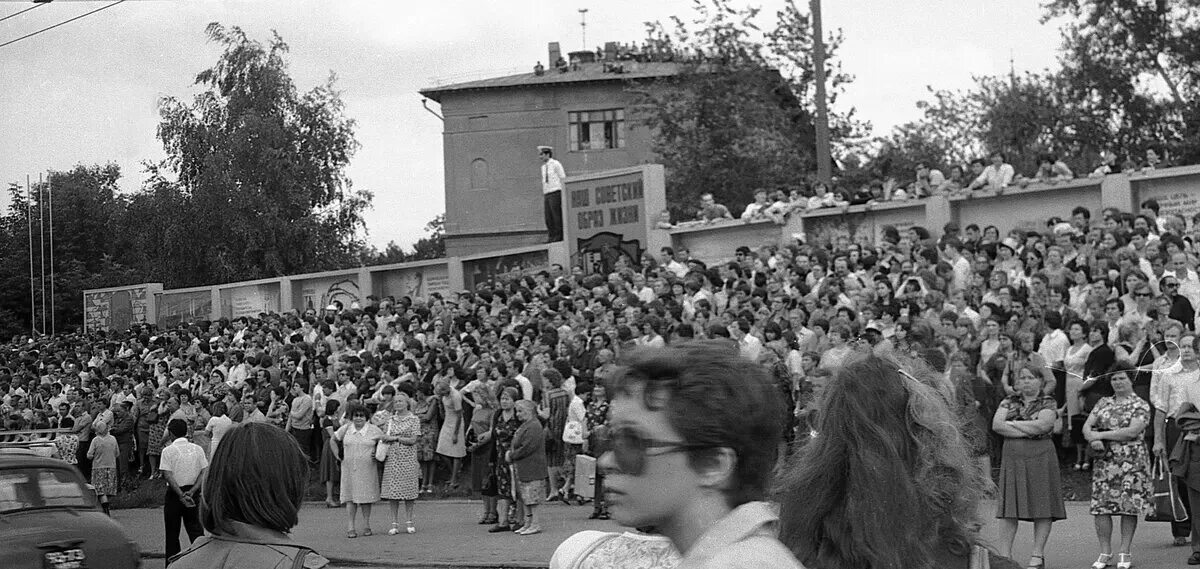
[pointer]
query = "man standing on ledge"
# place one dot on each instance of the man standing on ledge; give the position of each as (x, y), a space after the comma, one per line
(553, 177)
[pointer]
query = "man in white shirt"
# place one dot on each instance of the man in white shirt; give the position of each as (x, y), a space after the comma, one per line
(1054, 345)
(1174, 382)
(553, 177)
(184, 465)
(996, 176)
(952, 251)
(749, 346)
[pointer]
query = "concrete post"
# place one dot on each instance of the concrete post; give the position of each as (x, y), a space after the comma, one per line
(1116, 191)
(938, 212)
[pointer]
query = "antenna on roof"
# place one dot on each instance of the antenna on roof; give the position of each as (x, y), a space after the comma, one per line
(583, 25)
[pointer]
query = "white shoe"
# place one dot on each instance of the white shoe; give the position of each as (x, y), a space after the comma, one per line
(1103, 561)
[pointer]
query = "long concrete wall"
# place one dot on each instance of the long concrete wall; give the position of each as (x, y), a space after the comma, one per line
(1176, 189)
(120, 307)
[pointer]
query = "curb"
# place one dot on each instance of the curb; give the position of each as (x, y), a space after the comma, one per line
(398, 565)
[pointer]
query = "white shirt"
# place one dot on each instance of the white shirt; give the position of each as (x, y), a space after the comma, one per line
(750, 347)
(185, 460)
(218, 426)
(994, 178)
(553, 176)
(526, 387)
(1054, 347)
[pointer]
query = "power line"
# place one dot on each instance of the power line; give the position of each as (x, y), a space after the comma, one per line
(65, 22)
(34, 7)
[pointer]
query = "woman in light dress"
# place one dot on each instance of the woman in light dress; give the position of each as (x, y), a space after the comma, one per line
(452, 440)
(360, 475)
(400, 470)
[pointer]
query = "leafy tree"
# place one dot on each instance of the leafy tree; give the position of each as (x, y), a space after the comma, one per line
(432, 246)
(88, 239)
(1134, 62)
(739, 114)
(254, 184)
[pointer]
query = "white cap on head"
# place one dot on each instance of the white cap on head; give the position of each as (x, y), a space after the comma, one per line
(545, 149)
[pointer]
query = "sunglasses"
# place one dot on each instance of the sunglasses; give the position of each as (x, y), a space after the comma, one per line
(630, 448)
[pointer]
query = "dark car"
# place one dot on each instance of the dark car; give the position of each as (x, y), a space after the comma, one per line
(50, 519)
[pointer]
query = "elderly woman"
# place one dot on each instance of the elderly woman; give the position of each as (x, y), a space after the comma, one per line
(1121, 479)
(400, 470)
(528, 457)
(360, 476)
(907, 490)
(504, 425)
(1030, 483)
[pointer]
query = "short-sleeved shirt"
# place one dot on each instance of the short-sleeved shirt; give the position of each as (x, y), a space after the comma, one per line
(185, 460)
(1018, 410)
(1171, 388)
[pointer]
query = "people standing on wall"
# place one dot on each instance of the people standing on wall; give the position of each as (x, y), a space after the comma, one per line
(553, 177)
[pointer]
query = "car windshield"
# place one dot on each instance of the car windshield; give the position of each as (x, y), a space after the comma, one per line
(26, 488)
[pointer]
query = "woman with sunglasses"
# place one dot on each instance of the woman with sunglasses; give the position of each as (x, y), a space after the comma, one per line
(693, 437)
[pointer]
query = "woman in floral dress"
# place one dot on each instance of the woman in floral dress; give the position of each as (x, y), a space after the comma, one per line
(400, 470)
(504, 425)
(1121, 484)
(427, 411)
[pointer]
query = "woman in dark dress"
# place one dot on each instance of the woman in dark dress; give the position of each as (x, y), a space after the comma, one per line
(330, 470)
(504, 425)
(1030, 482)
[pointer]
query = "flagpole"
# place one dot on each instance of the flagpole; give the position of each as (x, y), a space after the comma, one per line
(42, 243)
(50, 192)
(32, 294)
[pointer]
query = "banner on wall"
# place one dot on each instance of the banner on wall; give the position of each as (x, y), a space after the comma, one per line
(1176, 196)
(415, 283)
(318, 293)
(115, 309)
(479, 272)
(610, 215)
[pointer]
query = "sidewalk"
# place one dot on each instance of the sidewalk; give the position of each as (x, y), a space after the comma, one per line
(447, 536)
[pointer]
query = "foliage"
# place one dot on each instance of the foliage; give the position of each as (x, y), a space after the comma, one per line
(254, 184)
(740, 115)
(88, 240)
(1127, 83)
(432, 246)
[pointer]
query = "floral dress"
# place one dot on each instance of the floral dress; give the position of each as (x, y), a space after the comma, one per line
(502, 434)
(400, 471)
(429, 431)
(1121, 482)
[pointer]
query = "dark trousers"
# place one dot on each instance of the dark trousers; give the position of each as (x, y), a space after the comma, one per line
(81, 459)
(554, 219)
(304, 437)
(174, 514)
(1184, 528)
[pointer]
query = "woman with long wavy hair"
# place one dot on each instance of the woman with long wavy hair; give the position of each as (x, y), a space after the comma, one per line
(887, 480)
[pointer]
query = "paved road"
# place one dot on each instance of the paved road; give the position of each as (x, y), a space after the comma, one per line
(448, 537)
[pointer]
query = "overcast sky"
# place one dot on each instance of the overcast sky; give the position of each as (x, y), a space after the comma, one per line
(86, 92)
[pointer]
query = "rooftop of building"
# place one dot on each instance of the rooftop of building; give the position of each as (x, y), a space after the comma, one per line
(615, 62)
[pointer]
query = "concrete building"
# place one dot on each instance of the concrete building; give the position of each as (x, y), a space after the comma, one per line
(493, 126)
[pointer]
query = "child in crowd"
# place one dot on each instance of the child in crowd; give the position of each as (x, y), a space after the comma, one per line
(103, 454)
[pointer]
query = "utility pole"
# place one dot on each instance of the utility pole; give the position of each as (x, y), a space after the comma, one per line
(50, 193)
(583, 26)
(42, 244)
(32, 293)
(824, 156)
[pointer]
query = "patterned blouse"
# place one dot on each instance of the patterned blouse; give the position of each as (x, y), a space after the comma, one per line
(1018, 410)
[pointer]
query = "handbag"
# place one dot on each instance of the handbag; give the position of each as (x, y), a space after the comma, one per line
(1168, 505)
(381, 447)
(573, 433)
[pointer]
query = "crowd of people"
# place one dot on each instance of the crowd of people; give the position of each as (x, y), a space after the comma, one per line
(1076, 342)
(993, 173)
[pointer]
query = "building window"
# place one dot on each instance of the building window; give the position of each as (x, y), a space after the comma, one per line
(597, 130)
(479, 174)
